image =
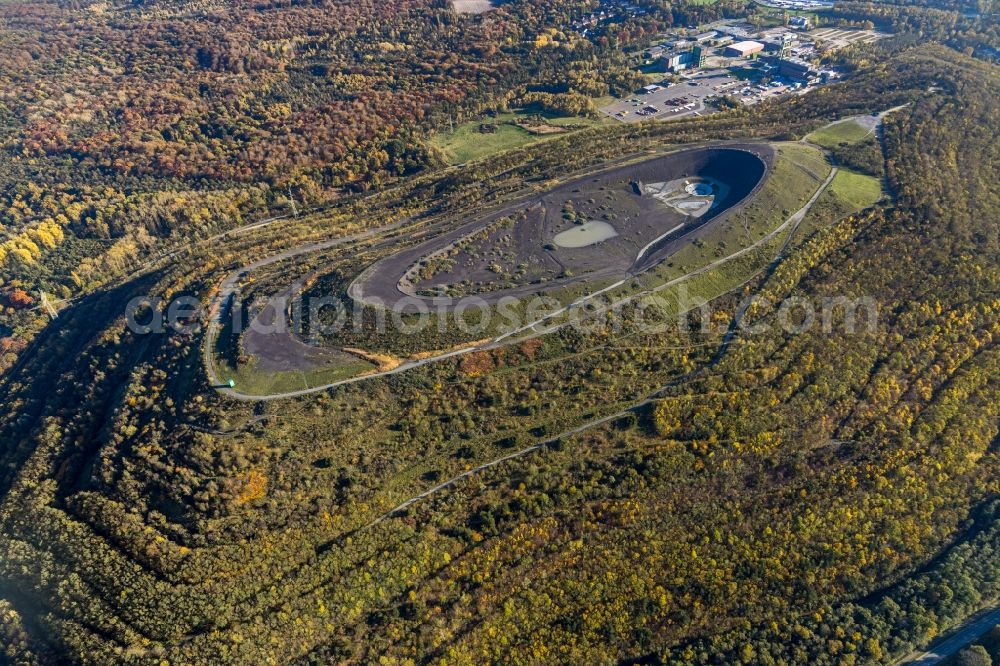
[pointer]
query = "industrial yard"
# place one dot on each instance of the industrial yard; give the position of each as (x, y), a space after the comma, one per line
(735, 60)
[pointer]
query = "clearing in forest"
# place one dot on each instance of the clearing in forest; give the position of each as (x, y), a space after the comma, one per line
(472, 6)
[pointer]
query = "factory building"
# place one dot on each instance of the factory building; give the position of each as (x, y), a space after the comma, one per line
(796, 69)
(743, 49)
(676, 61)
(780, 45)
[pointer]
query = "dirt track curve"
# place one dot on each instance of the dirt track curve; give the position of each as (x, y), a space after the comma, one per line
(229, 285)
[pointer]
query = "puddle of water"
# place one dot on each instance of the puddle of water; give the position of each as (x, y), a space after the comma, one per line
(701, 189)
(691, 196)
(589, 233)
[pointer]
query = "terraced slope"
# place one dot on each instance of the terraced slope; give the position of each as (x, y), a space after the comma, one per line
(773, 503)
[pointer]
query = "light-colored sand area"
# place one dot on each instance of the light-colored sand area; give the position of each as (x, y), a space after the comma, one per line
(472, 6)
(584, 235)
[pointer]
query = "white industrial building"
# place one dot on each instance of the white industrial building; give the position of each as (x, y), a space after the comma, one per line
(743, 49)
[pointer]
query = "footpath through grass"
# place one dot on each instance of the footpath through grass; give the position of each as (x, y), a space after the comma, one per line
(848, 193)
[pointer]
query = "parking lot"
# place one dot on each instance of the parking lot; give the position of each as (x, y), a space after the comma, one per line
(753, 93)
(675, 101)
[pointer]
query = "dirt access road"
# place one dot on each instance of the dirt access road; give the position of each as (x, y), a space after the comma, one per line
(742, 167)
(230, 286)
(792, 221)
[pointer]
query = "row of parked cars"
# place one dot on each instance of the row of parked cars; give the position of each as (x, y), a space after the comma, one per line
(757, 93)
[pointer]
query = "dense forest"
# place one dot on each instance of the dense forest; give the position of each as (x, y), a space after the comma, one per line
(753, 514)
(974, 33)
(130, 126)
(809, 498)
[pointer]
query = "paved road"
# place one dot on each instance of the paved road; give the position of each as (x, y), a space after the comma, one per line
(973, 628)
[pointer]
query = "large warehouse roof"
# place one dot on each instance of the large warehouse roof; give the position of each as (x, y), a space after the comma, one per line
(746, 45)
(743, 49)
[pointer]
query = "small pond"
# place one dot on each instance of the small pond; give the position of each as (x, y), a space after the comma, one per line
(583, 235)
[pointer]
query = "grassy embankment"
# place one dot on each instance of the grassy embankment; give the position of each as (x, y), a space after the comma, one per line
(850, 190)
(845, 131)
(799, 170)
(467, 143)
(251, 381)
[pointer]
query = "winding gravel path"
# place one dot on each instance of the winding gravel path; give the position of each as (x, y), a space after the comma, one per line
(229, 285)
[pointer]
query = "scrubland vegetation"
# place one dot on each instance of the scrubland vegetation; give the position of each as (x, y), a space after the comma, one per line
(813, 497)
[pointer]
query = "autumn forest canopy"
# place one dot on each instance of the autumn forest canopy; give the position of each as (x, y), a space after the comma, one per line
(635, 491)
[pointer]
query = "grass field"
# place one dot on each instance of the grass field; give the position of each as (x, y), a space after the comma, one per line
(251, 381)
(856, 189)
(466, 143)
(849, 192)
(846, 131)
